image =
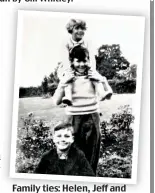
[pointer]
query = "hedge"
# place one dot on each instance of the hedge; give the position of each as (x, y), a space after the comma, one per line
(123, 86)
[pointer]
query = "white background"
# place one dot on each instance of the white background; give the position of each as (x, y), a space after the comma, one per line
(8, 16)
(42, 34)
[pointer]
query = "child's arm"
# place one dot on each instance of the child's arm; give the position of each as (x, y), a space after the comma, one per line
(94, 75)
(101, 84)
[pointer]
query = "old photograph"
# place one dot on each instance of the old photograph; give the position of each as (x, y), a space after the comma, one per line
(77, 97)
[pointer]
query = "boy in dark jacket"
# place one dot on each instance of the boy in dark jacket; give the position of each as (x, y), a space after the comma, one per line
(65, 159)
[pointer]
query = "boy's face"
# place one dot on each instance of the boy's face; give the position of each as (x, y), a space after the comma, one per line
(63, 139)
(80, 66)
(78, 33)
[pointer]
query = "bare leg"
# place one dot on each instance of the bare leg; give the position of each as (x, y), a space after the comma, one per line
(68, 95)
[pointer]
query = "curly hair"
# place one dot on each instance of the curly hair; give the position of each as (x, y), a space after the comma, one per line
(75, 23)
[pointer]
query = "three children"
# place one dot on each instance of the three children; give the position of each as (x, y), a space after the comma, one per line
(80, 87)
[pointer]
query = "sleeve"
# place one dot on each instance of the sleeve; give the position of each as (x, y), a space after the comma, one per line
(85, 167)
(41, 167)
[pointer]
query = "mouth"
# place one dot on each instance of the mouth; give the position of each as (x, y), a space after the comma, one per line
(80, 34)
(81, 70)
(63, 143)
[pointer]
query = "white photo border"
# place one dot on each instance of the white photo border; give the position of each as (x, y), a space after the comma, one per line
(133, 180)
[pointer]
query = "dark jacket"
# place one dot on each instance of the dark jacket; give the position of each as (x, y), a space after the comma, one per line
(76, 164)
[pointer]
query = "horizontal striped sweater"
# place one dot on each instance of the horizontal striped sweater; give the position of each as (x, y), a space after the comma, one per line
(84, 97)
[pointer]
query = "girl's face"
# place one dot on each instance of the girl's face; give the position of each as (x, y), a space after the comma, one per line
(63, 139)
(80, 66)
(78, 33)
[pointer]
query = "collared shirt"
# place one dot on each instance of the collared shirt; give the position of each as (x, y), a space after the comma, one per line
(66, 47)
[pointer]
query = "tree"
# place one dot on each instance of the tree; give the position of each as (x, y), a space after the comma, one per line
(53, 80)
(110, 60)
(44, 85)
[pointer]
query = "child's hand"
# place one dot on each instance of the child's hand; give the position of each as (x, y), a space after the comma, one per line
(94, 75)
(68, 76)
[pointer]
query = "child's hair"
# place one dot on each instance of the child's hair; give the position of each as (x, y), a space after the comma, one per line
(75, 23)
(61, 126)
(80, 53)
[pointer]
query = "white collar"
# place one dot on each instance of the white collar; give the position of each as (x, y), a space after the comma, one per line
(74, 42)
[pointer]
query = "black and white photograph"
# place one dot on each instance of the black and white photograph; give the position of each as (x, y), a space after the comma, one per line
(77, 97)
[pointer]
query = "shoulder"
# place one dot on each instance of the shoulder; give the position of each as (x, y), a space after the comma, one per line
(48, 154)
(77, 151)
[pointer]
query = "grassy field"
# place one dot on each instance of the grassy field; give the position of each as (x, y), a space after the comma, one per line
(45, 109)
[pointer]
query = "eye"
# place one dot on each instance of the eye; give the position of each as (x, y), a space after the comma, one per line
(67, 136)
(76, 28)
(58, 135)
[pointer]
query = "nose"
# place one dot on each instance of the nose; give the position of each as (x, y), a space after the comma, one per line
(80, 31)
(81, 64)
(63, 139)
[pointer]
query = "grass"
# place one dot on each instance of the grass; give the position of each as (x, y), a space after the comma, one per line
(45, 109)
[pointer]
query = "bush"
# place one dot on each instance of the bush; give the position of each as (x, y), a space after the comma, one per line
(30, 92)
(123, 86)
(115, 167)
(35, 141)
(117, 145)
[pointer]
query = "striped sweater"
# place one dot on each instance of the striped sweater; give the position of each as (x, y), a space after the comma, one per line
(84, 97)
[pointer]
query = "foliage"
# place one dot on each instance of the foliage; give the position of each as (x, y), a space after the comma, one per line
(53, 80)
(120, 86)
(30, 91)
(110, 60)
(44, 85)
(117, 145)
(129, 74)
(35, 141)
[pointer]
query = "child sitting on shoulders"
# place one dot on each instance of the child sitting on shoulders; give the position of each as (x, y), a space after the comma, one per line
(77, 28)
(65, 158)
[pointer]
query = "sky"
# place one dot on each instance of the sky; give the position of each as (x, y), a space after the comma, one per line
(40, 36)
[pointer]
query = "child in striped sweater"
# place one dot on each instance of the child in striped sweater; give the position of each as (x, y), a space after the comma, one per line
(84, 110)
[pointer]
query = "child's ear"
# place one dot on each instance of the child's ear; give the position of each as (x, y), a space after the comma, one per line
(72, 140)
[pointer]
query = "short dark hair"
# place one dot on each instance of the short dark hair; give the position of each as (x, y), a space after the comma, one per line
(79, 52)
(62, 125)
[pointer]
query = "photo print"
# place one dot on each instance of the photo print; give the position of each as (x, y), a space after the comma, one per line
(77, 94)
